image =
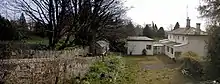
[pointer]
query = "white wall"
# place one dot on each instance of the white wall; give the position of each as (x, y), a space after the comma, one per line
(169, 53)
(137, 47)
(158, 50)
(175, 38)
(195, 44)
(198, 44)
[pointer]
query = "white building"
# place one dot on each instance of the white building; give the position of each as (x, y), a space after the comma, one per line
(136, 44)
(185, 39)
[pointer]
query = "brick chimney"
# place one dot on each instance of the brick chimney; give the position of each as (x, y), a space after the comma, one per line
(198, 30)
(188, 23)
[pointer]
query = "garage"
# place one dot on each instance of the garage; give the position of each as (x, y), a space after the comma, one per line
(136, 45)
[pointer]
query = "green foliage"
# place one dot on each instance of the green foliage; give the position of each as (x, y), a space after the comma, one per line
(104, 72)
(22, 27)
(210, 10)
(192, 64)
(213, 51)
(118, 46)
(161, 32)
(177, 25)
(40, 29)
(130, 29)
(139, 30)
(59, 44)
(191, 55)
(148, 31)
(155, 28)
(7, 31)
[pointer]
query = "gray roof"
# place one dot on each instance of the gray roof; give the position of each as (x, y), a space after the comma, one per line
(139, 38)
(171, 43)
(185, 31)
(102, 43)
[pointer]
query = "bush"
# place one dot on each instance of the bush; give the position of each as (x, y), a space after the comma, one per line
(103, 72)
(144, 52)
(191, 65)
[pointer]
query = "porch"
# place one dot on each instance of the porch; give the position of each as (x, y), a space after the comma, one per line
(172, 49)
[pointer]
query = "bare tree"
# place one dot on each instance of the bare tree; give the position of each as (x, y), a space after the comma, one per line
(84, 20)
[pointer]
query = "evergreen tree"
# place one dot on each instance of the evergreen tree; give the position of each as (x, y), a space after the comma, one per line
(7, 32)
(147, 31)
(161, 32)
(22, 27)
(22, 19)
(139, 30)
(176, 26)
(39, 29)
(155, 27)
(130, 29)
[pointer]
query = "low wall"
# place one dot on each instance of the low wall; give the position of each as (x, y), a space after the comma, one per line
(21, 54)
(43, 70)
(45, 67)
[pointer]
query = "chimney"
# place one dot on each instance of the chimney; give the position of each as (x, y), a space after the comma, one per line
(187, 23)
(198, 30)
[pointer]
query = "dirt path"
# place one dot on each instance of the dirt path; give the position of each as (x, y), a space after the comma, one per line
(152, 70)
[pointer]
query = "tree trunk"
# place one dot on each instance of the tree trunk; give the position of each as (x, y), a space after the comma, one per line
(92, 44)
(65, 43)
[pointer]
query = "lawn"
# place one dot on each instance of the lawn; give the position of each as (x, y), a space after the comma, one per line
(37, 40)
(152, 70)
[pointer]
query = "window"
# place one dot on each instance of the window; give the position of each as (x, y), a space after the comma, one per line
(168, 49)
(172, 50)
(170, 37)
(183, 38)
(148, 47)
(178, 37)
(155, 48)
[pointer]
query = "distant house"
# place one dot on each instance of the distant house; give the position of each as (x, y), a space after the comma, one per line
(136, 44)
(185, 39)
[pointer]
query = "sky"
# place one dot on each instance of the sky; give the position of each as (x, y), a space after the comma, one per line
(165, 13)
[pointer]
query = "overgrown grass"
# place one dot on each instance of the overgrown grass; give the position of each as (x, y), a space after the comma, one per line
(136, 71)
(107, 71)
(37, 40)
(130, 70)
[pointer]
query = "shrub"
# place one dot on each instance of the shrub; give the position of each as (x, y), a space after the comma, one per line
(144, 52)
(191, 65)
(104, 72)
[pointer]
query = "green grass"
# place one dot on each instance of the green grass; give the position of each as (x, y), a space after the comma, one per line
(137, 75)
(37, 40)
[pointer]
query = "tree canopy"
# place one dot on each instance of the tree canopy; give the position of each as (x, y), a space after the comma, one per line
(7, 31)
(210, 10)
(139, 30)
(84, 20)
(130, 28)
(148, 31)
(161, 32)
(177, 25)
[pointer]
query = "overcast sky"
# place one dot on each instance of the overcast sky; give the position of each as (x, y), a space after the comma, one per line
(164, 12)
